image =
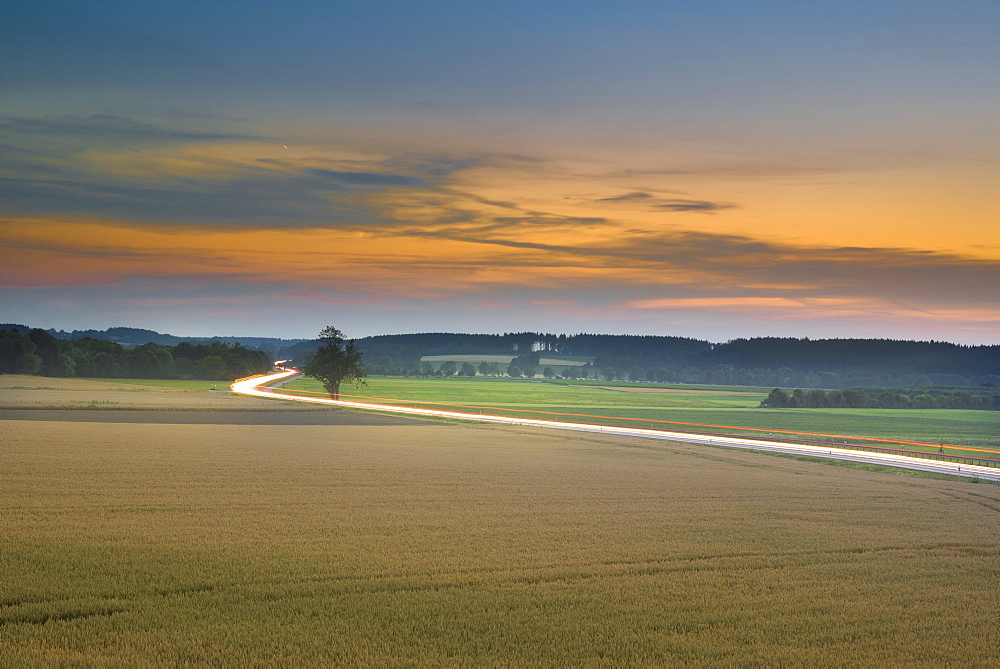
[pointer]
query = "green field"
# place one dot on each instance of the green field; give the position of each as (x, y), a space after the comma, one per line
(727, 406)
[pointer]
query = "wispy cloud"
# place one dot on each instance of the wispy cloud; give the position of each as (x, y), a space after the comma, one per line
(699, 206)
(627, 197)
(676, 205)
(394, 226)
(96, 128)
(844, 309)
(159, 175)
(656, 270)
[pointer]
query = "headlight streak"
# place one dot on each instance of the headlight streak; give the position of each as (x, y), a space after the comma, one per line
(252, 386)
(300, 393)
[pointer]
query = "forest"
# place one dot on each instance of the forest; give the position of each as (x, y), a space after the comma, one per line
(132, 337)
(985, 398)
(38, 352)
(775, 362)
(765, 361)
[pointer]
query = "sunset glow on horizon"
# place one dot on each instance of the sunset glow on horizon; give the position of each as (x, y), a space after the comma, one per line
(713, 170)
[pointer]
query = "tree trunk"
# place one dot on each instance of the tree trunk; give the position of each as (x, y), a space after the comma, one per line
(334, 391)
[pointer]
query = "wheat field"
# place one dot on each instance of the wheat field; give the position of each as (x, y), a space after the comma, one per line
(443, 544)
(24, 392)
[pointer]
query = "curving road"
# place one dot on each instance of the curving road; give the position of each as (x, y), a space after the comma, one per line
(257, 387)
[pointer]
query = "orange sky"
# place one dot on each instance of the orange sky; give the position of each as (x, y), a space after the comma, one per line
(809, 172)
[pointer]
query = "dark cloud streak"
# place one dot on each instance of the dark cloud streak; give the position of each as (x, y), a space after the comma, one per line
(698, 206)
(673, 205)
(104, 127)
(285, 201)
(626, 197)
(732, 263)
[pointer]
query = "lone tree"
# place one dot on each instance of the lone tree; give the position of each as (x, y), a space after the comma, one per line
(335, 362)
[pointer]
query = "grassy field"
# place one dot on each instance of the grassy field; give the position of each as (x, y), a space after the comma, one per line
(24, 382)
(131, 545)
(728, 406)
(134, 544)
(175, 384)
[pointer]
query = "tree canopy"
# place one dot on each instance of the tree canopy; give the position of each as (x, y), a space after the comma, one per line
(766, 361)
(984, 397)
(335, 362)
(39, 352)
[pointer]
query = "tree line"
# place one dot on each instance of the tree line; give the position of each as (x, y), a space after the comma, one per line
(38, 352)
(132, 337)
(984, 398)
(891, 356)
(765, 361)
(839, 356)
(400, 354)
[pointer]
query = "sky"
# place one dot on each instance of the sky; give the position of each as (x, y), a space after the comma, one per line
(710, 169)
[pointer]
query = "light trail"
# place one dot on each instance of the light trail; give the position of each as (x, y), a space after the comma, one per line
(253, 386)
(769, 430)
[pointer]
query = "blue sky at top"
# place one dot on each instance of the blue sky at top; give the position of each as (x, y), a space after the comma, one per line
(837, 155)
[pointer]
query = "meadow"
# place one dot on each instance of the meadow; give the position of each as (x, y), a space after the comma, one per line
(458, 545)
(713, 405)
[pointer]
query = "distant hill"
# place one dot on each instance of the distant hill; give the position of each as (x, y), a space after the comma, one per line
(132, 337)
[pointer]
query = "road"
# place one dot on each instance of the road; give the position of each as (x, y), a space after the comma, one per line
(256, 387)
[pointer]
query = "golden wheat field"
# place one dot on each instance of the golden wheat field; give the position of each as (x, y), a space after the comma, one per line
(148, 544)
(37, 392)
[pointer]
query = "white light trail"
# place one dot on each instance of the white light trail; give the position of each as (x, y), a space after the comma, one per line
(252, 386)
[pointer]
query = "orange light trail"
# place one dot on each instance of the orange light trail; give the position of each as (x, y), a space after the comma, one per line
(645, 420)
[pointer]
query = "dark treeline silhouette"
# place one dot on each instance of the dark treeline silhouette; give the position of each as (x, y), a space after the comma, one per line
(406, 349)
(983, 397)
(839, 355)
(132, 337)
(38, 352)
(409, 347)
(823, 363)
(766, 361)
